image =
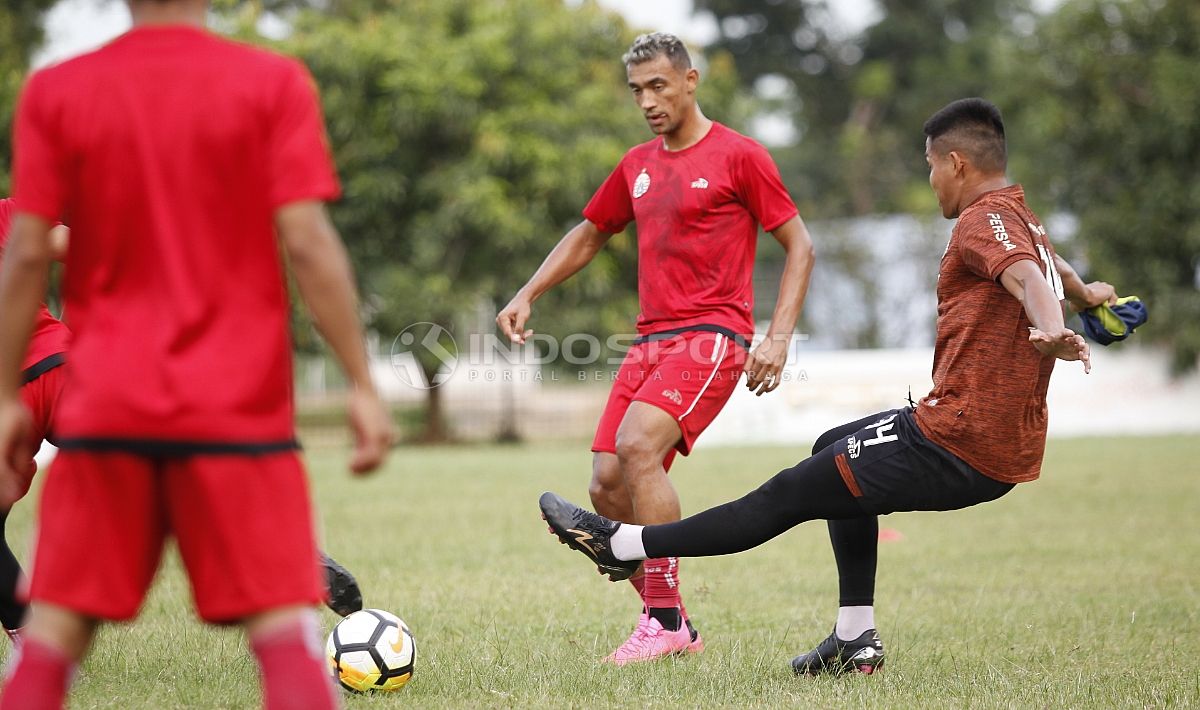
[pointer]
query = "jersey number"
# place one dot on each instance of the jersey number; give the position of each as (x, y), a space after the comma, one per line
(1052, 276)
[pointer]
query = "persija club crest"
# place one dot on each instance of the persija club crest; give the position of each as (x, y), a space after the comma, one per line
(641, 185)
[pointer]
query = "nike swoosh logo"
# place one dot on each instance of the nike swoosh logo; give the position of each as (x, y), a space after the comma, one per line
(581, 537)
(398, 644)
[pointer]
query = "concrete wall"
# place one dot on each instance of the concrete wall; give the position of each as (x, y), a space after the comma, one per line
(1128, 391)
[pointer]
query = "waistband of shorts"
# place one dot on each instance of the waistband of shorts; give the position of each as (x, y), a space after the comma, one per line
(172, 448)
(699, 327)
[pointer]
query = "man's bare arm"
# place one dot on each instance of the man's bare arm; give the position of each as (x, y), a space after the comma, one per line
(573, 252)
(765, 363)
(27, 257)
(326, 282)
(1082, 295)
(1026, 281)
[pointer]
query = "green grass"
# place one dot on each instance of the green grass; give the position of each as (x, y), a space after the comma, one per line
(1078, 591)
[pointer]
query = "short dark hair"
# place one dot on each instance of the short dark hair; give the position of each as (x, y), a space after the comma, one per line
(648, 46)
(973, 127)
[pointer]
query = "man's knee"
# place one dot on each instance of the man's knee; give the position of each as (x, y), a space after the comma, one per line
(646, 435)
(607, 485)
(636, 450)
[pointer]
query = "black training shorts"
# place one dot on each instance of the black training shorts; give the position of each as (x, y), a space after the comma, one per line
(890, 467)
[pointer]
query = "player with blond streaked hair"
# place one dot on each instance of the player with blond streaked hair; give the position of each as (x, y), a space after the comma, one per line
(698, 193)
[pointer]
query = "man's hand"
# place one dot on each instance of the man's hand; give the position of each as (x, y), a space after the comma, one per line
(373, 430)
(764, 365)
(1094, 294)
(1064, 344)
(513, 317)
(16, 451)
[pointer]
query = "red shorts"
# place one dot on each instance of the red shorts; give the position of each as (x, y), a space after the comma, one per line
(243, 525)
(689, 376)
(40, 397)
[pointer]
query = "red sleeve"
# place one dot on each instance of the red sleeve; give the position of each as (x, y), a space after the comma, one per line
(300, 160)
(39, 162)
(761, 189)
(611, 208)
(991, 239)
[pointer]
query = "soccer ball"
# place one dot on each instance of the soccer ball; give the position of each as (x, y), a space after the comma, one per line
(371, 650)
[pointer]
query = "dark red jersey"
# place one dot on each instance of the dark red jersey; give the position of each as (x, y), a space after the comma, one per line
(50, 337)
(168, 151)
(988, 403)
(697, 212)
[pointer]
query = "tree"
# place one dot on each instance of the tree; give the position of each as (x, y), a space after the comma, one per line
(469, 136)
(859, 101)
(1107, 97)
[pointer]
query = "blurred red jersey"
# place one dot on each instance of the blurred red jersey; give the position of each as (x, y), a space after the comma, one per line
(168, 152)
(697, 213)
(50, 337)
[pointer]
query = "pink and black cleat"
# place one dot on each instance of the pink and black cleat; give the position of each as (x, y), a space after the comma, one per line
(650, 642)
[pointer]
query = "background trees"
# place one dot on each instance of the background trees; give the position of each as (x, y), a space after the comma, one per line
(1107, 96)
(469, 134)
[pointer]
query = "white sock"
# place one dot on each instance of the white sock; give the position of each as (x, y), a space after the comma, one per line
(852, 621)
(627, 543)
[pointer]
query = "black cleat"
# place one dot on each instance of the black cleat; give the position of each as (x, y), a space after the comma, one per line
(345, 597)
(587, 532)
(833, 655)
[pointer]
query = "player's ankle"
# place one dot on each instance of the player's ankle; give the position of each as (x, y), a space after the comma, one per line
(669, 617)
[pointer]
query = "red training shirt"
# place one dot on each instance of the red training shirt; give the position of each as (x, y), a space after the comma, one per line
(168, 151)
(50, 337)
(988, 403)
(697, 213)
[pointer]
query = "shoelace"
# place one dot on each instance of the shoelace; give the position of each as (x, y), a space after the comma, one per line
(588, 520)
(641, 639)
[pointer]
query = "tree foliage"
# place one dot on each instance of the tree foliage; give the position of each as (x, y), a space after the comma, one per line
(859, 100)
(1107, 95)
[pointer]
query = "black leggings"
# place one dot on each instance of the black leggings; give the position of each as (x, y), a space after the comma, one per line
(811, 490)
(11, 610)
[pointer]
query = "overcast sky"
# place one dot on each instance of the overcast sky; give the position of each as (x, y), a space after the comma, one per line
(74, 26)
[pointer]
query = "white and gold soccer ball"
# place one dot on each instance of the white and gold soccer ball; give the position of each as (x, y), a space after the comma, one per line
(371, 650)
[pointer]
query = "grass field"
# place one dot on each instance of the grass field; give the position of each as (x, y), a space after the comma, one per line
(1078, 591)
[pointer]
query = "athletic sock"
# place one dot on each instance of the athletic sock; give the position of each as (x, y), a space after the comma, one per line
(662, 590)
(627, 543)
(854, 621)
(39, 679)
(638, 581)
(294, 676)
